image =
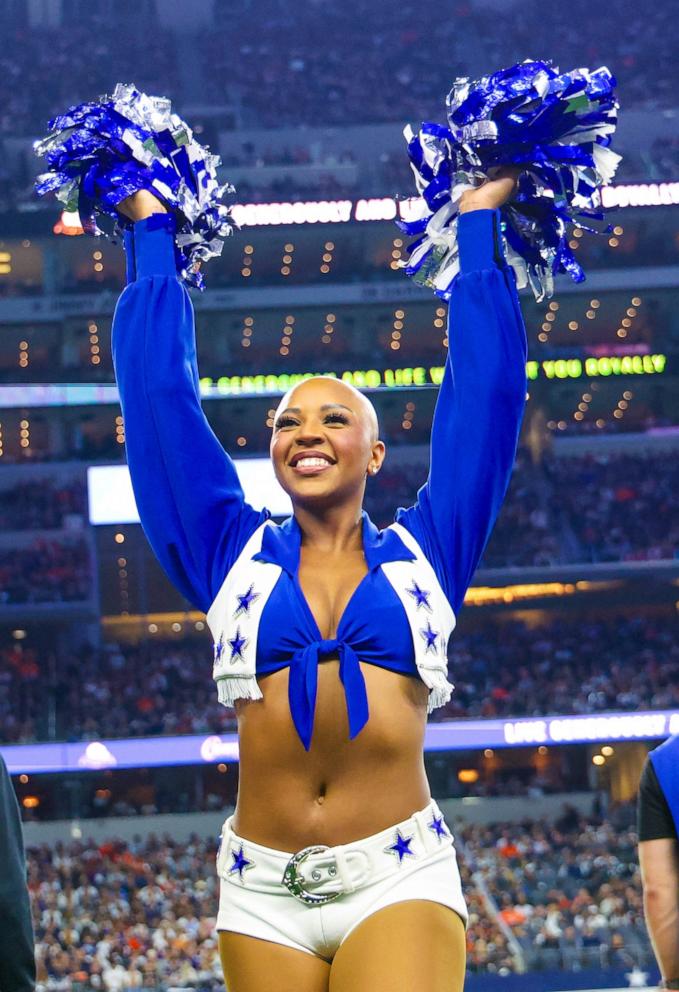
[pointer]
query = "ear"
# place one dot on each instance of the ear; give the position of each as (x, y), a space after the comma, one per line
(378, 454)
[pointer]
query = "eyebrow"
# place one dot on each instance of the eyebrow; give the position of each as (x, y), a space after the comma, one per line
(326, 406)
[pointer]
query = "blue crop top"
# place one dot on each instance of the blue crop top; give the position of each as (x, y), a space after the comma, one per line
(191, 503)
(299, 643)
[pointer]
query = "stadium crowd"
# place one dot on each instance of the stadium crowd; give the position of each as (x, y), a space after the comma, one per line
(80, 60)
(593, 507)
(618, 508)
(42, 504)
(588, 508)
(317, 65)
(379, 68)
(662, 159)
(589, 666)
(569, 891)
(314, 64)
(141, 914)
(47, 571)
(509, 669)
(119, 916)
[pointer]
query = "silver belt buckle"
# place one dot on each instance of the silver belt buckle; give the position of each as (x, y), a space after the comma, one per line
(294, 880)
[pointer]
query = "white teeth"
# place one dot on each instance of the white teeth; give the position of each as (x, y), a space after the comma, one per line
(312, 461)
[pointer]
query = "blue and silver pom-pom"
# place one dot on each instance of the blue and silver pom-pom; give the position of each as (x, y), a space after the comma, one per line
(99, 153)
(558, 127)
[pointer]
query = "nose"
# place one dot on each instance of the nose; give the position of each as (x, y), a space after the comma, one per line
(307, 438)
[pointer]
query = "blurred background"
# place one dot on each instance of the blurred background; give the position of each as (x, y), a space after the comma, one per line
(565, 660)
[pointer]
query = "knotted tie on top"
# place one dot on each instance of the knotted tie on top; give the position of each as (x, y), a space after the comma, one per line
(303, 685)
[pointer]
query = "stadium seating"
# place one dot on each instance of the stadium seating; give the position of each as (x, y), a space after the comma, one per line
(541, 895)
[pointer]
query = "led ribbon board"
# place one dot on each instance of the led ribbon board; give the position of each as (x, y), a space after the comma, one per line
(275, 384)
(388, 208)
(453, 735)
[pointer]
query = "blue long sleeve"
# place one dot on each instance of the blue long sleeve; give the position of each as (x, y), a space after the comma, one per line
(478, 411)
(188, 494)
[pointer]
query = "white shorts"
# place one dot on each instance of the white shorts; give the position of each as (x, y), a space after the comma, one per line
(314, 899)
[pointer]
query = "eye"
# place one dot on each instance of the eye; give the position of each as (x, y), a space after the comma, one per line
(336, 418)
(285, 421)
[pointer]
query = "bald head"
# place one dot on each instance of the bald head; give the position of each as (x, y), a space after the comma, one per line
(324, 389)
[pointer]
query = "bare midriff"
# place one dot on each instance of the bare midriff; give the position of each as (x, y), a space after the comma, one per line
(340, 790)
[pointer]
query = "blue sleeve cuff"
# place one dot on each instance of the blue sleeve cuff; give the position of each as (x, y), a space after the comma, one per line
(478, 238)
(150, 247)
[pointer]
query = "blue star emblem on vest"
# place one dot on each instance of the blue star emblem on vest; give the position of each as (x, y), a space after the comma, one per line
(438, 826)
(401, 847)
(430, 638)
(219, 648)
(421, 596)
(237, 645)
(240, 863)
(245, 601)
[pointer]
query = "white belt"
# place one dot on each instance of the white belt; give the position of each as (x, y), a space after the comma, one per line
(317, 874)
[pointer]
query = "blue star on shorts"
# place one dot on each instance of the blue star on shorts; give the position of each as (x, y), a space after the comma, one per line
(401, 847)
(240, 863)
(438, 826)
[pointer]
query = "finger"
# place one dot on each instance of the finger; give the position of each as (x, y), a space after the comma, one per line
(505, 172)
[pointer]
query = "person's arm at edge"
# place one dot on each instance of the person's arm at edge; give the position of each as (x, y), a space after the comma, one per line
(17, 954)
(659, 863)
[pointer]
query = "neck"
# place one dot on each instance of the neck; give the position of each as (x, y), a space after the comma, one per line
(333, 529)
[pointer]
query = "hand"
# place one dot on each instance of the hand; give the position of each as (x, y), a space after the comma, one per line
(494, 191)
(141, 205)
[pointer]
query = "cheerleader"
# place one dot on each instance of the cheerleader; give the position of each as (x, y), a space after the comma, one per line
(337, 869)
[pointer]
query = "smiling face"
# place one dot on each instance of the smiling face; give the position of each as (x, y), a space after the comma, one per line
(324, 442)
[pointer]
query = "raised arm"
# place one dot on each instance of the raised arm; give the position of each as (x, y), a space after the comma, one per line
(188, 494)
(478, 411)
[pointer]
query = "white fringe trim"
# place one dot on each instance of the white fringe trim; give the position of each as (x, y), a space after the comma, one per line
(231, 689)
(440, 689)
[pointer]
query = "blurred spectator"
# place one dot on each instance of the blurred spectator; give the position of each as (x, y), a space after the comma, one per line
(658, 828)
(571, 897)
(17, 963)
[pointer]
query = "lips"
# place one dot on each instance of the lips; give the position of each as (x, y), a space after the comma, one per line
(300, 455)
(311, 462)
